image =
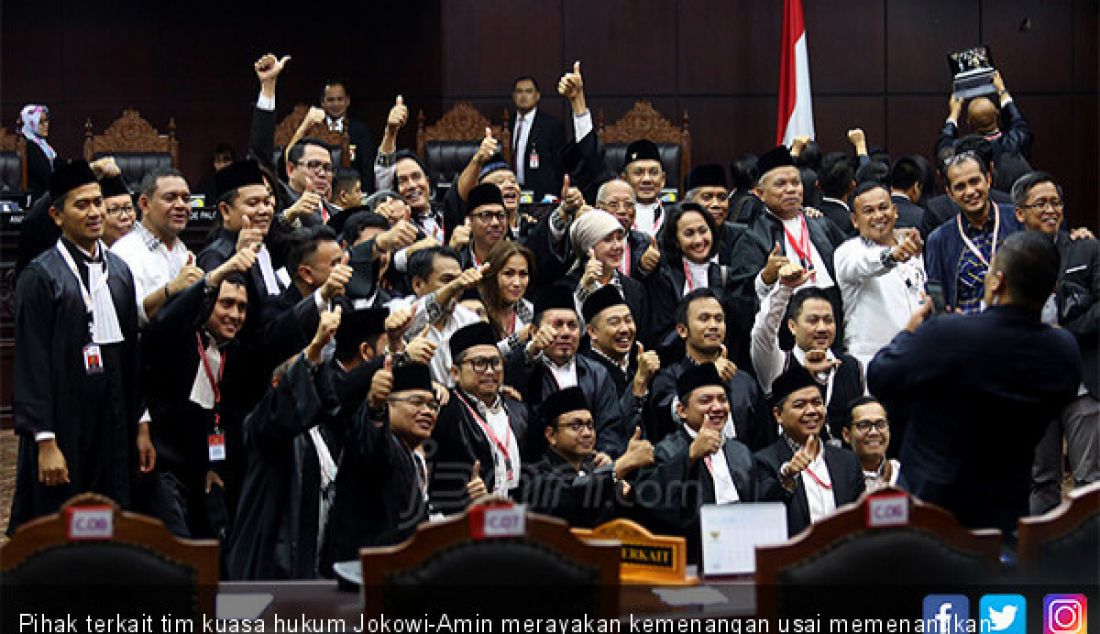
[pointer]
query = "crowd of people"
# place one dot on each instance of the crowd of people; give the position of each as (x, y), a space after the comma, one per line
(357, 351)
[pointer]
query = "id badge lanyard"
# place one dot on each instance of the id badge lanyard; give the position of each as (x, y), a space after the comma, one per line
(216, 439)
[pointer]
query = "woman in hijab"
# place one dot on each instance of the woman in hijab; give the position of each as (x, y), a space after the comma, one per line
(40, 156)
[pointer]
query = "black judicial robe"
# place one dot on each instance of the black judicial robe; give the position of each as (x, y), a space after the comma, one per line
(672, 490)
(459, 440)
(94, 416)
(275, 535)
(378, 497)
(584, 498)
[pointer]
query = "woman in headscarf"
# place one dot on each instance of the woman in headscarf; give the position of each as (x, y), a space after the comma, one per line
(40, 156)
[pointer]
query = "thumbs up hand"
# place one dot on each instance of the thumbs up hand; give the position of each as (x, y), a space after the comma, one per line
(571, 86)
(421, 349)
(726, 368)
(802, 459)
(398, 116)
(338, 278)
(268, 67)
(593, 270)
(240, 262)
(188, 275)
(249, 237)
(571, 198)
(327, 325)
(652, 256)
(648, 365)
(475, 488)
(776, 260)
(487, 148)
(638, 454)
(381, 384)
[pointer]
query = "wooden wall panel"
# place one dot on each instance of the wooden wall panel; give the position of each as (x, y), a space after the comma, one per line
(728, 47)
(1086, 27)
(919, 34)
(1022, 32)
(838, 45)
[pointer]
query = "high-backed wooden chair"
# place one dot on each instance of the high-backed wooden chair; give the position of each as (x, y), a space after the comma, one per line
(137, 146)
(13, 161)
(1063, 546)
(833, 565)
(643, 121)
(94, 559)
(339, 142)
(445, 568)
(448, 144)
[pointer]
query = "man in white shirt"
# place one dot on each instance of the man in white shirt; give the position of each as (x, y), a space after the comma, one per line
(880, 273)
(160, 262)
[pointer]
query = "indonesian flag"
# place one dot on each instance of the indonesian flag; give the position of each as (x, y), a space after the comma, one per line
(796, 114)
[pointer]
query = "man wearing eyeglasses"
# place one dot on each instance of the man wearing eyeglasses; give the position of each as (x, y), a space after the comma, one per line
(640, 253)
(487, 222)
(120, 209)
(573, 480)
(309, 171)
(1074, 306)
(478, 426)
(868, 434)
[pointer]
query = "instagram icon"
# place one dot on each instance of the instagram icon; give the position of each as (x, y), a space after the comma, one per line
(1065, 614)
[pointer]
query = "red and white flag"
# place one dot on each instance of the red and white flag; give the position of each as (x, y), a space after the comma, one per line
(796, 113)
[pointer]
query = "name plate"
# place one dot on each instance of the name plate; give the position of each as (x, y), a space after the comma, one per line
(90, 523)
(645, 557)
(889, 509)
(491, 521)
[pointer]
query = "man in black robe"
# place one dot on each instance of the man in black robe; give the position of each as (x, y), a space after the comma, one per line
(185, 351)
(75, 388)
(382, 484)
(293, 442)
(479, 424)
(573, 481)
(696, 464)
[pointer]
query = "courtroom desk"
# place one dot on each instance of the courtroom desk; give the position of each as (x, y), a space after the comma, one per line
(323, 599)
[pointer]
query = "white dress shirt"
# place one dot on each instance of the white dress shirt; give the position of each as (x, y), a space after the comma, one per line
(725, 491)
(152, 262)
(521, 134)
(821, 277)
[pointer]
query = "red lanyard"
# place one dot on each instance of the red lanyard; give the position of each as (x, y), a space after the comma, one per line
(502, 447)
(512, 328)
(688, 282)
(821, 483)
(802, 247)
(215, 384)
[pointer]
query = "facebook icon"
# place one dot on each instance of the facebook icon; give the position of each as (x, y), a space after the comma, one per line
(946, 613)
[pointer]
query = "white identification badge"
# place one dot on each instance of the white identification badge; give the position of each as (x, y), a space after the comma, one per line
(93, 360)
(533, 160)
(216, 444)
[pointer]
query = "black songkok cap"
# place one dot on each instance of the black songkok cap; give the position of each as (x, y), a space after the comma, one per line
(711, 175)
(68, 175)
(570, 399)
(555, 296)
(696, 377)
(641, 150)
(483, 194)
(795, 378)
(413, 376)
(606, 297)
(237, 175)
(478, 333)
(778, 156)
(356, 326)
(113, 186)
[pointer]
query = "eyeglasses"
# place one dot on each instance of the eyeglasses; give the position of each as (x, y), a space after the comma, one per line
(316, 166)
(120, 209)
(1055, 203)
(489, 216)
(616, 205)
(481, 364)
(864, 426)
(417, 402)
(578, 426)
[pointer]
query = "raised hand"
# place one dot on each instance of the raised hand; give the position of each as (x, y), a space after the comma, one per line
(818, 362)
(268, 67)
(460, 237)
(314, 116)
(707, 442)
(803, 458)
(381, 384)
(248, 237)
(652, 256)
(776, 261)
(188, 275)
(240, 262)
(338, 278)
(909, 247)
(649, 363)
(397, 323)
(571, 198)
(327, 325)
(306, 204)
(396, 237)
(487, 149)
(398, 116)
(593, 270)
(726, 368)
(858, 140)
(638, 454)
(421, 349)
(571, 86)
(475, 488)
(544, 336)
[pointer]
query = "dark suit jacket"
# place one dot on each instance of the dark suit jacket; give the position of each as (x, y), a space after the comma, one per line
(839, 215)
(844, 471)
(547, 137)
(685, 487)
(982, 389)
(826, 237)
(1015, 134)
(1078, 299)
(910, 214)
(940, 209)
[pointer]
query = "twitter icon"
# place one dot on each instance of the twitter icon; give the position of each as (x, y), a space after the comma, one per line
(1002, 614)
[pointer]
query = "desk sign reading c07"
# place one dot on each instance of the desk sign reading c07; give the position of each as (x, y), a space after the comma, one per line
(90, 522)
